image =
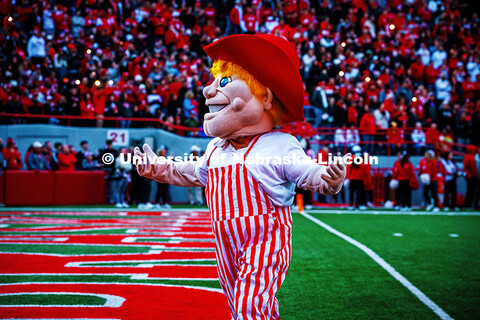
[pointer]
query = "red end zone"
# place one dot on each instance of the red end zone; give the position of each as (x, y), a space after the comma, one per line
(162, 266)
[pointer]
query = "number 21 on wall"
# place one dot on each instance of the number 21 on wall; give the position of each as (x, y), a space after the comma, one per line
(119, 137)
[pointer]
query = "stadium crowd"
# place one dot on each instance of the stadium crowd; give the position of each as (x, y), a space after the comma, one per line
(374, 67)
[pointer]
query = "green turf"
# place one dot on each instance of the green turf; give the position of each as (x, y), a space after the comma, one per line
(71, 249)
(112, 231)
(5, 279)
(68, 249)
(52, 299)
(444, 268)
(153, 262)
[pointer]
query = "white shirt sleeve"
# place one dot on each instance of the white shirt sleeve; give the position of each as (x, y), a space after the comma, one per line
(301, 165)
(201, 169)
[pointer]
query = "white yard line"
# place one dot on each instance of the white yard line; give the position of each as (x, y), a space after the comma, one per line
(394, 273)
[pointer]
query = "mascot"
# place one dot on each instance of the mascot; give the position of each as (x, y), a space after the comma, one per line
(257, 87)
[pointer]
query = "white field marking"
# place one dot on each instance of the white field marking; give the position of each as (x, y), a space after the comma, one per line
(23, 229)
(171, 248)
(394, 273)
(144, 276)
(128, 239)
(13, 238)
(104, 254)
(140, 263)
(123, 214)
(186, 233)
(131, 231)
(174, 240)
(165, 214)
(121, 283)
(111, 300)
(453, 235)
(398, 234)
(4, 225)
(393, 212)
(180, 222)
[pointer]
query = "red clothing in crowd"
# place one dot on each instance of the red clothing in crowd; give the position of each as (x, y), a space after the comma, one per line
(395, 135)
(13, 158)
(431, 136)
(352, 115)
(367, 124)
(66, 162)
(428, 166)
(469, 165)
(358, 172)
(403, 173)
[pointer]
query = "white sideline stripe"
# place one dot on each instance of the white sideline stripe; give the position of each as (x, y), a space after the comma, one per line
(394, 212)
(103, 254)
(111, 301)
(13, 238)
(119, 283)
(394, 273)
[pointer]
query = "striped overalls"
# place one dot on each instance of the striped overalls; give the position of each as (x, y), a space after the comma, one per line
(253, 240)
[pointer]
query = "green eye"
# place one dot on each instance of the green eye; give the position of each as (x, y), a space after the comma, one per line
(224, 81)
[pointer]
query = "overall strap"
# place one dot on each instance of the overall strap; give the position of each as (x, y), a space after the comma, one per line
(254, 140)
(208, 159)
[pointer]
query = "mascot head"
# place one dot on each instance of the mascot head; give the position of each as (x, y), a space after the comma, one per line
(257, 86)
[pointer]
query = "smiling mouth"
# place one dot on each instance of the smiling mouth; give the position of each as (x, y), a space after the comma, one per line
(216, 107)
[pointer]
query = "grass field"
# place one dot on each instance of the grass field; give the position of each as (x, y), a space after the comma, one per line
(98, 263)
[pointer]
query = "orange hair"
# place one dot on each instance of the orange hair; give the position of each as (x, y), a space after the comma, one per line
(259, 91)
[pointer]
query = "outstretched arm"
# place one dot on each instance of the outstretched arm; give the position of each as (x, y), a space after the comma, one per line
(325, 179)
(166, 171)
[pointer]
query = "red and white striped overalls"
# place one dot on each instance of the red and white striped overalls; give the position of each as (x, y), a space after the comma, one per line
(253, 240)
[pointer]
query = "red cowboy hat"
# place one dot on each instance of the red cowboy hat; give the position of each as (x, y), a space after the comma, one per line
(272, 60)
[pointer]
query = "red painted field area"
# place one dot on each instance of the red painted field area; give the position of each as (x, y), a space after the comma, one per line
(108, 265)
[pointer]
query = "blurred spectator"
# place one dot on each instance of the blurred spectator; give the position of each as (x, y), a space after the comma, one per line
(442, 89)
(340, 138)
(67, 159)
(36, 159)
(357, 176)
(418, 139)
(448, 170)
(403, 172)
(162, 197)
(106, 159)
(395, 138)
(12, 156)
(54, 159)
(368, 129)
(36, 49)
(431, 136)
(89, 162)
(81, 155)
(353, 137)
(428, 176)
(471, 167)
(120, 179)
